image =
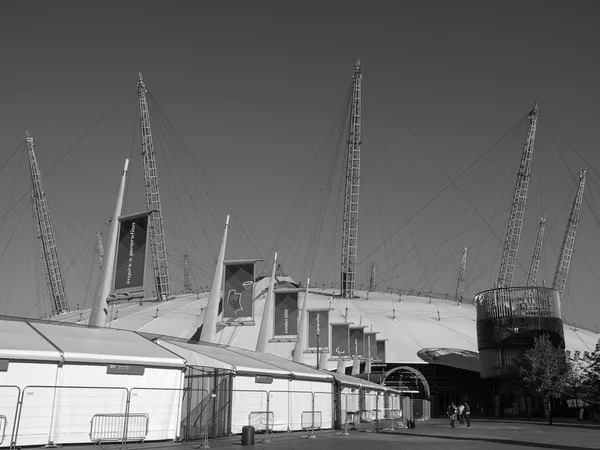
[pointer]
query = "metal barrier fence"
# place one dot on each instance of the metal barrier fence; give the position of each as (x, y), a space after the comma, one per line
(9, 406)
(62, 413)
(109, 427)
(162, 406)
(2, 429)
(287, 408)
(76, 414)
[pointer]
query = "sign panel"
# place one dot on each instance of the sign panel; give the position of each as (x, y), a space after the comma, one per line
(3, 365)
(371, 345)
(318, 322)
(124, 369)
(340, 341)
(357, 341)
(263, 379)
(286, 313)
(238, 293)
(131, 253)
(380, 352)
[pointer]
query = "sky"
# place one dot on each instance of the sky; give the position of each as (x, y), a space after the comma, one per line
(247, 102)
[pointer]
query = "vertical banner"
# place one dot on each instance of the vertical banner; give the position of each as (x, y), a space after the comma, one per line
(357, 342)
(371, 345)
(131, 253)
(238, 292)
(380, 359)
(340, 341)
(318, 322)
(286, 313)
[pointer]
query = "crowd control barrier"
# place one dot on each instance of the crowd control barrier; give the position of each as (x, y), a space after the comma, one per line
(9, 407)
(56, 415)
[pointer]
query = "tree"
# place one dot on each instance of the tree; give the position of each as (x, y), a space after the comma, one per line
(592, 377)
(575, 386)
(545, 370)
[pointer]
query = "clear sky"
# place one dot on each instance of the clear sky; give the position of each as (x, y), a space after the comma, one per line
(255, 89)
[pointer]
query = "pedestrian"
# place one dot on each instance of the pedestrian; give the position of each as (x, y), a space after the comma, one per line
(451, 411)
(467, 413)
(461, 409)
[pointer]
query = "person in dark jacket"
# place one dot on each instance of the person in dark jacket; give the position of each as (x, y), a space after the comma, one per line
(467, 414)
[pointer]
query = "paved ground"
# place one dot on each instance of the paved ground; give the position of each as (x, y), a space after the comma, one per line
(433, 434)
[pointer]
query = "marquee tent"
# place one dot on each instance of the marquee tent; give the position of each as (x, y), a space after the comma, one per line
(265, 386)
(69, 377)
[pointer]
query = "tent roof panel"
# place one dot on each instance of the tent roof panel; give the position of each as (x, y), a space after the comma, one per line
(236, 361)
(284, 364)
(194, 358)
(243, 360)
(106, 345)
(19, 341)
(348, 380)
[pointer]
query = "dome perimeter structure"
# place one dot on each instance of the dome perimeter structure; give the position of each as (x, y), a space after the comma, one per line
(416, 328)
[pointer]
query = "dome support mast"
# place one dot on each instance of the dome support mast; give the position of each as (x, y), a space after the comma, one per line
(158, 248)
(537, 254)
(568, 244)
(350, 225)
(517, 210)
(45, 231)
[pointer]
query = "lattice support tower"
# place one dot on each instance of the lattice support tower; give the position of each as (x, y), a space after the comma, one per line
(517, 210)
(372, 284)
(537, 254)
(462, 277)
(156, 228)
(566, 250)
(49, 252)
(350, 225)
(187, 282)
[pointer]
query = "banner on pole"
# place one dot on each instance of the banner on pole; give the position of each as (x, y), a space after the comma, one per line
(238, 292)
(357, 341)
(131, 253)
(340, 340)
(286, 314)
(380, 358)
(318, 323)
(371, 345)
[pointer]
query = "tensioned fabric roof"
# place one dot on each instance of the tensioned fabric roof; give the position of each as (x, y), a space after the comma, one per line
(179, 317)
(410, 323)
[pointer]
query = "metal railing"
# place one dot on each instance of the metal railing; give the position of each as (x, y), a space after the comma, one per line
(51, 415)
(109, 427)
(2, 428)
(9, 408)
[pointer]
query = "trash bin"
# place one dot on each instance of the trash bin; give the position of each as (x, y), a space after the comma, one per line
(247, 436)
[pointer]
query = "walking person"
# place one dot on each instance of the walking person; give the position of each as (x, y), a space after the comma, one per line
(467, 413)
(461, 409)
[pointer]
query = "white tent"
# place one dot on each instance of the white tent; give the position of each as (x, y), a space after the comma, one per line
(264, 382)
(364, 399)
(75, 381)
